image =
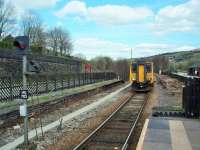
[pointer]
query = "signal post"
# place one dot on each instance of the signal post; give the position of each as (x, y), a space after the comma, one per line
(22, 44)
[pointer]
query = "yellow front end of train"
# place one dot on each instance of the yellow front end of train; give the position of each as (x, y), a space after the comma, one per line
(141, 75)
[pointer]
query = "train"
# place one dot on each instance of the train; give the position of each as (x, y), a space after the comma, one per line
(141, 76)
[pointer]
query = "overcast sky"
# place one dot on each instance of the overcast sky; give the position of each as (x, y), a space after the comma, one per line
(112, 28)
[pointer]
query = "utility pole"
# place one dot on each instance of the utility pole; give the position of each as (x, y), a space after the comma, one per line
(131, 54)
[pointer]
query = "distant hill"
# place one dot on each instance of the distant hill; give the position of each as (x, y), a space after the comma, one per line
(181, 56)
(182, 60)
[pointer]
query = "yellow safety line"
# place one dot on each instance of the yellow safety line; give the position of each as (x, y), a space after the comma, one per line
(179, 137)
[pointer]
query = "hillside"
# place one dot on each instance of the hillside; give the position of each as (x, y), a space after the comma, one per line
(178, 61)
(182, 56)
(182, 60)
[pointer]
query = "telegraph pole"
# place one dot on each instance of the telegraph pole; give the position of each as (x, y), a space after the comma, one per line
(131, 54)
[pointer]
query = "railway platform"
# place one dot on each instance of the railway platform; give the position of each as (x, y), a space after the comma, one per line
(169, 133)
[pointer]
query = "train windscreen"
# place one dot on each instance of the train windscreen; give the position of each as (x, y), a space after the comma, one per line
(148, 67)
(134, 67)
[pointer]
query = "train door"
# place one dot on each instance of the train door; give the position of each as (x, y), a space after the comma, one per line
(141, 73)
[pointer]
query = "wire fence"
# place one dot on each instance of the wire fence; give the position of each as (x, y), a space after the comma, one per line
(10, 87)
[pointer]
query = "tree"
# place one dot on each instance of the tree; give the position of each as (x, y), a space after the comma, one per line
(32, 27)
(102, 63)
(81, 56)
(109, 63)
(6, 18)
(160, 63)
(59, 41)
(7, 42)
(121, 67)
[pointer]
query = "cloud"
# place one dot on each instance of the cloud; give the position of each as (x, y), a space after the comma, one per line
(105, 14)
(180, 18)
(73, 8)
(22, 7)
(117, 15)
(35, 3)
(92, 47)
(149, 49)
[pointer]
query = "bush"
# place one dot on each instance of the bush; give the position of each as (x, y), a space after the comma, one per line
(36, 49)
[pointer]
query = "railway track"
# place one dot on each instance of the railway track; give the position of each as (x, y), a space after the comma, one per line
(116, 131)
(11, 118)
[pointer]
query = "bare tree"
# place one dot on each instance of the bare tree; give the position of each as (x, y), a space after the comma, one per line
(60, 41)
(160, 63)
(102, 63)
(6, 18)
(53, 41)
(81, 56)
(68, 47)
(121, 67)
(32, 27)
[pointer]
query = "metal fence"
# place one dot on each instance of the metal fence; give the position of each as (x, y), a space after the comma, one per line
(38, 84)
(191, 97)
(191, 94)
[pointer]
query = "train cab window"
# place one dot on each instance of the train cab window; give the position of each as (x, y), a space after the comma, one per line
(148, 67)
(134, 66)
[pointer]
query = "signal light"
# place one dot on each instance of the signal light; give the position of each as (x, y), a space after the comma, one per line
(21, 42)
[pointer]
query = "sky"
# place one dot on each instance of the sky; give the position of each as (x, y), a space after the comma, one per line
(114, 27)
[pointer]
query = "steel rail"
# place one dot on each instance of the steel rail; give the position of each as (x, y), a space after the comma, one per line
(134, 125)
(125, 145)
(84, 142)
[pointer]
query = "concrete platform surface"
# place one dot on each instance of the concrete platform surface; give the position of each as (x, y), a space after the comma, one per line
(170, 134)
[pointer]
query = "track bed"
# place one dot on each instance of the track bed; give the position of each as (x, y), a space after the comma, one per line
(115, 132)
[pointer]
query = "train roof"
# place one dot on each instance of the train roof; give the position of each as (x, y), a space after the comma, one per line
(141, 62)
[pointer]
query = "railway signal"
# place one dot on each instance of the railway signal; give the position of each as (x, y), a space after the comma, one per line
(22, 45)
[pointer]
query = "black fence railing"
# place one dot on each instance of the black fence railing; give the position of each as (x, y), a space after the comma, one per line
(191, 97)
(191, 94)
(181, 78)
(38, 84)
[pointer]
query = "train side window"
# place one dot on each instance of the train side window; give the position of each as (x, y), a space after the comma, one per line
(148, 67)
(134, 66)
